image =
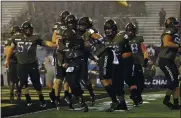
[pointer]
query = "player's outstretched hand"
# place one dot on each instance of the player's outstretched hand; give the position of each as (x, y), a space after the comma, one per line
(65, 65)
(6, 63)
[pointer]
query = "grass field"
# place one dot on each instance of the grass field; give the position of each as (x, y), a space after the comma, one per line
(151, 108)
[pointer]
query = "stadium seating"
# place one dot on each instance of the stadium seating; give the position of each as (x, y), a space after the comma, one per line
(149, 26)
(10, 10)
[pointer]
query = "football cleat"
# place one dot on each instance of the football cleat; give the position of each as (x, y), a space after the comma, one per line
(168, 104)
(43, 104)
(57, 103)
(92, 100)
(113, 107)
(52, 98)
(28, 104)
(176, 107)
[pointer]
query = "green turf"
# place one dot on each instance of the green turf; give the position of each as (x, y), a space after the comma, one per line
(153, 109)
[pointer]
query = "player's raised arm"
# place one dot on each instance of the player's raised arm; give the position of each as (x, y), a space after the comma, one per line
(9, 52)
(42, 42)
(144, 51)
(167, 42)
(50, 44)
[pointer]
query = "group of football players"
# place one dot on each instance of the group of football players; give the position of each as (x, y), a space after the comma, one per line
(120, 57)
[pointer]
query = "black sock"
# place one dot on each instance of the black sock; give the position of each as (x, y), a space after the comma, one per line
(134, 93)
(28, 98)
(89, 88)
(111, 93)
(57, 98)
(175, 101)
(167, 98)
(66, 93)
(53, 92)
(121, 98)
(41, 97)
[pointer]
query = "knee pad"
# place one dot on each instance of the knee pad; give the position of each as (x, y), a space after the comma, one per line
(174, 84)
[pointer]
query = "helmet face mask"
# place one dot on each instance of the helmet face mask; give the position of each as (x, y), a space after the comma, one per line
(71, 26)
(108, 32)
(130, 30)
(71, 22)
(173, 23)
(63, 15)
(27, 28)
(86, 22)
(110, 28)
(28, 31)
(81, 28)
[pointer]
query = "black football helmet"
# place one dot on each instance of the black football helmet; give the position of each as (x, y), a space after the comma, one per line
(130, 30)
(173, 23)
(15, 29)
(84, 23)
(27, 28)
(71, 22)
(110, 28)
(63, 15)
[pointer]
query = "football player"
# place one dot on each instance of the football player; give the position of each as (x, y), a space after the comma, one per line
(12, 70)
(120, 45)
(71, 22)
(170, 43)
(140, 56)
(99, 53)
(26, 45)
(60, 71)
(74, 63)
(115, 41)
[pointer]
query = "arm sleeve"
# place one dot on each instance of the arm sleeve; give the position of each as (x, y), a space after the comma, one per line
(40, 41)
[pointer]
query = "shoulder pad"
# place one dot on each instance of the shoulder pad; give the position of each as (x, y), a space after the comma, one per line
(121, 33)
(91, 31)
(6, 43)
(168, 31)
(140, 38)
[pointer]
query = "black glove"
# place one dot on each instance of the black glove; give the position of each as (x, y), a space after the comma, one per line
(145, 62)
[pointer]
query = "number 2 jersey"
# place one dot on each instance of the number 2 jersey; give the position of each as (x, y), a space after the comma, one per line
(167, 52)
(26, 47)
(119, 44)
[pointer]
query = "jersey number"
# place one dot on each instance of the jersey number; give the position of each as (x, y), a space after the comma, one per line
(177, 40)
(134, 48)
(24, 46)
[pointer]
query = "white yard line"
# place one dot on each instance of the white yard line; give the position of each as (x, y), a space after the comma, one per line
(146, 97)
(46, 110)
